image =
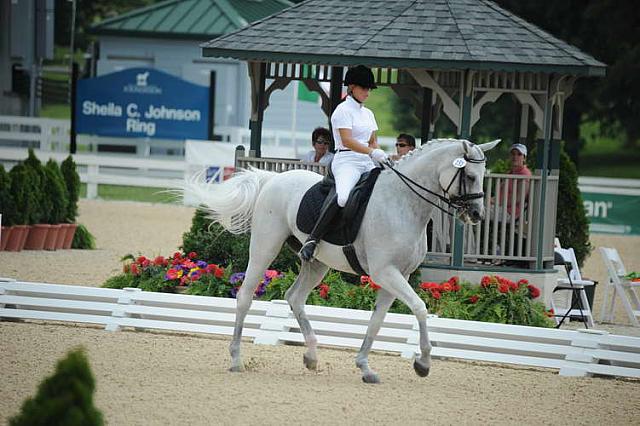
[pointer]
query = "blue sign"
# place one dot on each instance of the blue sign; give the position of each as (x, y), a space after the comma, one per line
(142, 102)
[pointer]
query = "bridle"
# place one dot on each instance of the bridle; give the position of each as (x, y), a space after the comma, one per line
(457, 202)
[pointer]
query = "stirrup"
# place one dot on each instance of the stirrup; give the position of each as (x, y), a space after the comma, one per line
(307, 250)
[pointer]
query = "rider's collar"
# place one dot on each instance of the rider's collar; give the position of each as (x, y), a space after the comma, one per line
(354, 101)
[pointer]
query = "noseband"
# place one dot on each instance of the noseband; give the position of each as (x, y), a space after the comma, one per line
(458, 202)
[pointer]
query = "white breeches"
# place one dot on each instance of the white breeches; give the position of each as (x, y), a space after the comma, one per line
(347, 167)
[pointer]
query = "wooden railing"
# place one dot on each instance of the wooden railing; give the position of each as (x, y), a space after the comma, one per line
(275, 164)
(504, 235)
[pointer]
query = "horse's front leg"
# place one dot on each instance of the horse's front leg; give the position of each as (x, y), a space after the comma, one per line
(383, 303)
(311, 273)
(392, 280)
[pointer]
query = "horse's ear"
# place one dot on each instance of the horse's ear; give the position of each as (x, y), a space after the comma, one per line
(489, 145)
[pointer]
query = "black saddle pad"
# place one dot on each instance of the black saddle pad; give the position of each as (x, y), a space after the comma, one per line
(346, 224)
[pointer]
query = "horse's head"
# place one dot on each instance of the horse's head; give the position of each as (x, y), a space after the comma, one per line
(461, 176)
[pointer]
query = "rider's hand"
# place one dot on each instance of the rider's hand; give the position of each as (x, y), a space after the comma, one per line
(379, 156)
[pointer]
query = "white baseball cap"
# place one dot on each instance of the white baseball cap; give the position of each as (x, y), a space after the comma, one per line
(519, 147)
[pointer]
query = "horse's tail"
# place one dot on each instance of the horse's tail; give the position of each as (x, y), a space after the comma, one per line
(232, 202)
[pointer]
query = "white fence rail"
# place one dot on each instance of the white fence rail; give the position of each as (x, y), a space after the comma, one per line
(100, 169)
(575, 353)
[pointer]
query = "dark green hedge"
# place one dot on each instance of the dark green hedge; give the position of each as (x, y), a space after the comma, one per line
(65, 398)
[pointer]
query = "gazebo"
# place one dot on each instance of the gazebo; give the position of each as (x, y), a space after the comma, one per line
(448, 57)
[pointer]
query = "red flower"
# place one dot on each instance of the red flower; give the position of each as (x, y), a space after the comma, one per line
(364, 279)
(134, 269)
(324, 290)
(474, 299)
(533, 291)
(436, 294)
(146, 263)
(219, 272)
(485, 281)
(453, 281)
(429, 286)
(192, 255)
(512, 286)
(446, 286)
(374, 286)
(160, 261)
(177, 255)
(503, 288)
(140, 259)
(523, 282)
(550, 313)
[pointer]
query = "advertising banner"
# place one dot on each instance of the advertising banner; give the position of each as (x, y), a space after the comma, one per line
(142, 103)
(612, 213)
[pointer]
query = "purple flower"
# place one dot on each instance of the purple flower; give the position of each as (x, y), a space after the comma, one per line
(234, 292)
(236, 278)
(262, 289)
(201, 264)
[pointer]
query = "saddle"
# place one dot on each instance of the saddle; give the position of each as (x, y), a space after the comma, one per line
(346, 224)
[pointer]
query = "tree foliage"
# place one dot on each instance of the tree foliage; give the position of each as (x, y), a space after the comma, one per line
(65, 398)
(72, 182)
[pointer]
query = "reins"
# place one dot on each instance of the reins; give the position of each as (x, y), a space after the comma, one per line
(458, 201)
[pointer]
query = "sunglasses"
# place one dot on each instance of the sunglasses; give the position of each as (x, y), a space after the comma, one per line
(322, 141)
(402, 145)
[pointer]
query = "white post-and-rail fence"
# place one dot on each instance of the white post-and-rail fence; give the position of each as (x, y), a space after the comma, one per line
(572, 353)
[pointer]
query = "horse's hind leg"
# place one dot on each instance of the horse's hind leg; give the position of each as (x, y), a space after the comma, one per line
(311, 273)
(383, 303)
(264, 248)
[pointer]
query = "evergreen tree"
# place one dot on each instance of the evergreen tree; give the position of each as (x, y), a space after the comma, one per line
(6, 200)
(55, 190)
(65, 398)
(72, 183)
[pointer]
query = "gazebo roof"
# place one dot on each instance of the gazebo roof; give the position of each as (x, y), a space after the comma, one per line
(195, 19)
(435, 34)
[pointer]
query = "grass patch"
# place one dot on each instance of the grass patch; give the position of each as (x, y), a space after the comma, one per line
(131, 193)
(60, 111)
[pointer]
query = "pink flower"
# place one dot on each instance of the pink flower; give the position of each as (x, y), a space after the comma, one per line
(271, 274)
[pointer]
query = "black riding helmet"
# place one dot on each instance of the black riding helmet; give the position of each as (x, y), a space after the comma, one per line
(360, 75)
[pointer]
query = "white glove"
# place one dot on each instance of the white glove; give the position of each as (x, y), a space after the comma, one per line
(379, 156)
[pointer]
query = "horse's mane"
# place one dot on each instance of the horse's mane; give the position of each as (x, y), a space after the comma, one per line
(430, 146)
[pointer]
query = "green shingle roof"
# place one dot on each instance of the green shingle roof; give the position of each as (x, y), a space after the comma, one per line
(198, 19)
(440, 34)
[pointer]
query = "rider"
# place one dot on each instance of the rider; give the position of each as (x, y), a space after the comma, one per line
(354, 132)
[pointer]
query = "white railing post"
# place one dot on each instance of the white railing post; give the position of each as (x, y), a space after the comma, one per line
(124, 299)
(92, 181)
(584, 343)
(274, 323)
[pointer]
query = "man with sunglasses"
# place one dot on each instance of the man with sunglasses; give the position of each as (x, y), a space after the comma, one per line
(321, 141)
(404, 144)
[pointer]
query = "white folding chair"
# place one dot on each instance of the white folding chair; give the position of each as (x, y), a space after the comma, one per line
(619, 286)
(578, 304)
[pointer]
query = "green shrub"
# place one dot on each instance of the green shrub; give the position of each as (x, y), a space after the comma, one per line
(25, 204)
(83, 239)
(215, 245)
(6, 199)
(65, 398)
(72, 183)
(572, 225)
(56, 193)
(43, 202)
(119, 282)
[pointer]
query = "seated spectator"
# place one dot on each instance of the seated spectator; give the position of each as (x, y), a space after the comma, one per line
(518, 157)
(320, 140)
(404, 144)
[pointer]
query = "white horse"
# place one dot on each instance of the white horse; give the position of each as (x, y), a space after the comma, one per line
(390, 245)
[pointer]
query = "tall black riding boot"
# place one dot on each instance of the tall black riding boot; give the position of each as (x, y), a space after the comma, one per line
(327, 214)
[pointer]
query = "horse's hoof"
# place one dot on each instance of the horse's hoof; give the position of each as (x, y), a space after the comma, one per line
(420, 369)
(236, 369)
(371, 378)
(311, 364)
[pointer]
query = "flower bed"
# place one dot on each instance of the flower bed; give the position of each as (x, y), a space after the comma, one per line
(495, 299)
